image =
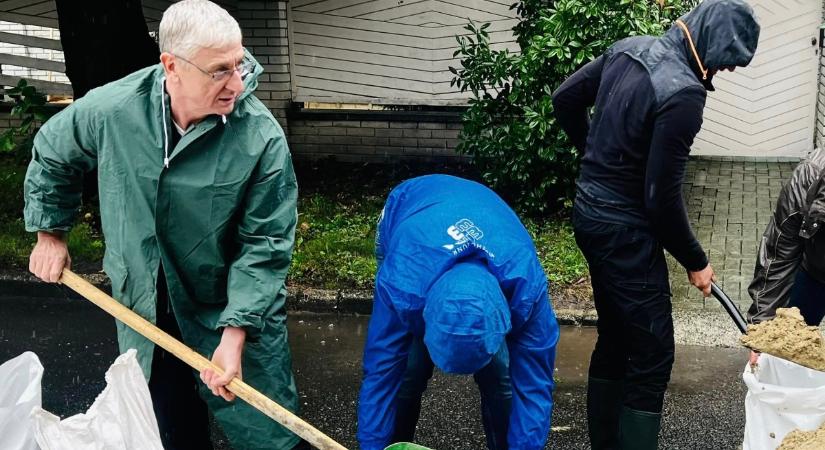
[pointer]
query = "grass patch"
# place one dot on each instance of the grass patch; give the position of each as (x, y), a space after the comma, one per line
(334, 242)
(85, 245)
(334, 245)
(557, 250)
(15, 244)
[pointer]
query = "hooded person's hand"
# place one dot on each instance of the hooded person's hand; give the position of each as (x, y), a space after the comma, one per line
(702, 279)
(227, 356)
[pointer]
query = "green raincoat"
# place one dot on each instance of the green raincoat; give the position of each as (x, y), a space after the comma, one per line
(220, 217)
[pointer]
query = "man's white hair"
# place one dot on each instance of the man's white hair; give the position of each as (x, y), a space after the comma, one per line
(189, 25)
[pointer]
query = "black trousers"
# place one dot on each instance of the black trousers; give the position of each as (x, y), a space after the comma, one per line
(183, 417)
(632, 295)
(493, 382)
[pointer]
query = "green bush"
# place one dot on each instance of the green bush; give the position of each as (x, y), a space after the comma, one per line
(509, 128)
(16, 145)
(31, 107)
(12, 174)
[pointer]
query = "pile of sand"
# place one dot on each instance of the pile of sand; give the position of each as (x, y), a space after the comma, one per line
(788, 337)
(804, 440)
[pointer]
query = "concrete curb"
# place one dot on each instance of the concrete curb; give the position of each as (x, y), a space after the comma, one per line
(578, 317)
(692, 326)
(299, 299)
(329, 301)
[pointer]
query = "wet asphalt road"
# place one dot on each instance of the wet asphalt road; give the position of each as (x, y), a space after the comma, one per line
(76, 343)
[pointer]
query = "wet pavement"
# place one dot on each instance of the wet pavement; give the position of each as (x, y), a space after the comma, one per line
(76, 343)
(729, 202)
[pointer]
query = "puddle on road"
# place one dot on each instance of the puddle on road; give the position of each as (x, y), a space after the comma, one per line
(339, 341)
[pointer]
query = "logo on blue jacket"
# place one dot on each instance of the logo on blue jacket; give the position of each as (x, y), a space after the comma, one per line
(463, 232)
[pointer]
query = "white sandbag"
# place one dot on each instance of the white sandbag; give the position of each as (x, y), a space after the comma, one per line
(19, 394)
(120, 418)
(782, 396)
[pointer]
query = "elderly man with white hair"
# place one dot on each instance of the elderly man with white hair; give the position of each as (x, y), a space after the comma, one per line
(198, 209)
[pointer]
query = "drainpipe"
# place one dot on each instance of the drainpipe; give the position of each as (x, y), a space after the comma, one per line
(819, 127)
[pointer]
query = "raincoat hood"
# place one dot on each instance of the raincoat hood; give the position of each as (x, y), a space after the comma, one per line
(724, 32)
(466, 318)
(251, 81)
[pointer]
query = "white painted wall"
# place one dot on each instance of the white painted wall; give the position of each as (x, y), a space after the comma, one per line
(768, 109)
(386, 51)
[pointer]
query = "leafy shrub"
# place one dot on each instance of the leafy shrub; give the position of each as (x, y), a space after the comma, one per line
(509, 129)
(31, 107)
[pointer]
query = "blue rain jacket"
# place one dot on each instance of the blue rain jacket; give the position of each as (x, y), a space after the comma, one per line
(428, 225)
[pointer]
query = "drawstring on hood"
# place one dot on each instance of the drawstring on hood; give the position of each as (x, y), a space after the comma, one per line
(693, 49)
(163, 125)
(719, 33)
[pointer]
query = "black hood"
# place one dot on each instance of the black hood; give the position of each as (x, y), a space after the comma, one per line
(725, 33)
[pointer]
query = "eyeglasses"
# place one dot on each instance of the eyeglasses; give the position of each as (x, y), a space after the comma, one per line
(243, 69)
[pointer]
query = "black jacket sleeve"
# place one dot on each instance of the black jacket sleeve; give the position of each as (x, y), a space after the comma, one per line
(780, 250)
(676, 123)
(574, 97)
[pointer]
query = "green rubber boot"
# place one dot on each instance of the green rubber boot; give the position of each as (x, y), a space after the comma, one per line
(639, 430)
(604, 404)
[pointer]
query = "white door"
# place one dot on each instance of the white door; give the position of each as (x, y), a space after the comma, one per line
(768, 108)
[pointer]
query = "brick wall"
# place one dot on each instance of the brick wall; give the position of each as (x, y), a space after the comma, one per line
(374, 140)
(264, 25)
(6, 121)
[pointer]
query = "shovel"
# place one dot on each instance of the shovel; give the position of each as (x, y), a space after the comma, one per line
(730, 307)
(246, 392)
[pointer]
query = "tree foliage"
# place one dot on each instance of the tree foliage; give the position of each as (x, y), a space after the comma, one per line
(509, 129)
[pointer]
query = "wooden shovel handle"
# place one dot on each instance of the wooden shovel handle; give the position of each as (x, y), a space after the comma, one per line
(198, 362)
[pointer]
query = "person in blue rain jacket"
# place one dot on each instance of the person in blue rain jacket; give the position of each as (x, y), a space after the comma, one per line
(460, 287)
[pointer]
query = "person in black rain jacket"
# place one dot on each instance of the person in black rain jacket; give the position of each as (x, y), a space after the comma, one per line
(647, 95)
